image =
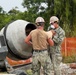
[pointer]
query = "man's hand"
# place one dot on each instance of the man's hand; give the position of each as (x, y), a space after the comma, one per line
(53, 32)
(28, 40)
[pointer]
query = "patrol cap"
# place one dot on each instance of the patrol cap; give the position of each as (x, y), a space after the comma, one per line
(39, 19)
(54, 19)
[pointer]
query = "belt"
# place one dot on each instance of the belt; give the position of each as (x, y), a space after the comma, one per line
(40, 50)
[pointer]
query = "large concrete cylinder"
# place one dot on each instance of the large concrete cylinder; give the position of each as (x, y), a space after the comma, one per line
(15, 33)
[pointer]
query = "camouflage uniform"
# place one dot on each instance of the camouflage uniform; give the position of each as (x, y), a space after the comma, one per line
(55, 51)
(41, 59)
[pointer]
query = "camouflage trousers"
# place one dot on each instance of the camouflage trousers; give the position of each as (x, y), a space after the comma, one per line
(41, 59)
(56, 60)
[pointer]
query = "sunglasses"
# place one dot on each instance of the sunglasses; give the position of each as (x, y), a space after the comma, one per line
(40, 23)
(51, 23)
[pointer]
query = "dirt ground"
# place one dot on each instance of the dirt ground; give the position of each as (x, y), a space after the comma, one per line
(65, 70)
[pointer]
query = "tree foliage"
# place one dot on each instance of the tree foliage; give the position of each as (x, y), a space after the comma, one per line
(63, 9)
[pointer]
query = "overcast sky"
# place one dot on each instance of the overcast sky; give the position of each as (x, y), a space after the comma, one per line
(9, 4)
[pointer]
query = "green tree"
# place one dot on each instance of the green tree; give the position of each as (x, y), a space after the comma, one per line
(2, 16)
(12, 15)
(36, 8)
(63, 9)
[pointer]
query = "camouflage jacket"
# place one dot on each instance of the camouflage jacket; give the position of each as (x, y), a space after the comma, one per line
(57, 38)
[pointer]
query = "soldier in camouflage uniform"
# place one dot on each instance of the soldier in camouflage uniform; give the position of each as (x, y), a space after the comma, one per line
(55, 51)
(40, 41)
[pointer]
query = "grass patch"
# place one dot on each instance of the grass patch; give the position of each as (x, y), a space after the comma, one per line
(29, 72)
(69, 59)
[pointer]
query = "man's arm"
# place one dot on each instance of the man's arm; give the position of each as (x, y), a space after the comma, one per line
(27, 40)
(59, 38)
(50, 41)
